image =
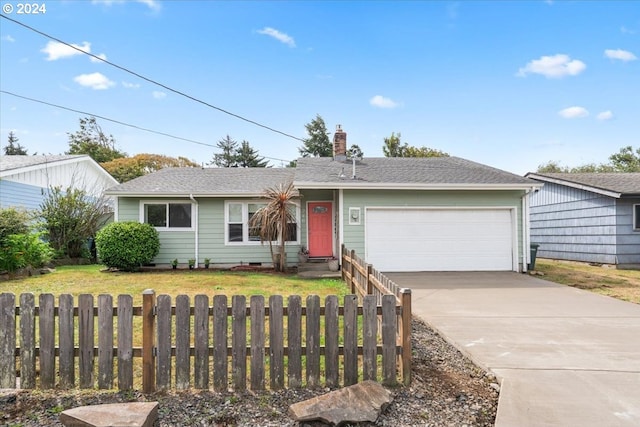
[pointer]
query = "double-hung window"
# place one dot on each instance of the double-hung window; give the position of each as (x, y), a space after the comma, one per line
(636, 217)
(167, 215)
(237, 228)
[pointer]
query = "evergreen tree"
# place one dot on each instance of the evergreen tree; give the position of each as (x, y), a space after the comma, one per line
(13, 148)
(247, 157)
(318, 143)
(226, 159)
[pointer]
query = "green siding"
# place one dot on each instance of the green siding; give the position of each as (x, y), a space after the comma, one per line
(181, 244)
(354, 234)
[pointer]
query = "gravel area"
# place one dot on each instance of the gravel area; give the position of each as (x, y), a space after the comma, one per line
(447, 390)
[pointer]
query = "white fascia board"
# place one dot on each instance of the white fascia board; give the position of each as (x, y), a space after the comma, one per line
(585, 187)
(186, 195)
(414, 186)
(46, 164)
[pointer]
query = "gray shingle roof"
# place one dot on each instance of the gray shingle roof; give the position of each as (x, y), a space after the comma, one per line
(205, 181)
(321, 172)
(8, 163)
(384, 170)
(618, 182)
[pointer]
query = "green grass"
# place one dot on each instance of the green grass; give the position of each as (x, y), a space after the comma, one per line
(91, 279)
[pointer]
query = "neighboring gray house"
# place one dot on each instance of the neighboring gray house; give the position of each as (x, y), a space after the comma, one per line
(590, 217)
(24, 180)
(400, 214)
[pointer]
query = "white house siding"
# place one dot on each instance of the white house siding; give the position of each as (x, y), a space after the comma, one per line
(627, 240)
(354, 235)
(573, 224)
(19, 195)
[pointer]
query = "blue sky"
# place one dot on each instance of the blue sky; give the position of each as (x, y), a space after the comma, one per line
(508, 84)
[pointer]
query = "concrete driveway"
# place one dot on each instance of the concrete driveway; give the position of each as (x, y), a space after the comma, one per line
(566, 357)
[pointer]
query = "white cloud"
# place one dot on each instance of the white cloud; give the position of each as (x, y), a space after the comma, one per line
(102, 56)
(555, 66)
(626, 30)
(128, 85)
(56, 50)
(622, 55)
(280, 36)
(95, 81)
(8, 38)
(382, 102)
(605, 115)
(152, 4)
(158, 95)
(573, 112)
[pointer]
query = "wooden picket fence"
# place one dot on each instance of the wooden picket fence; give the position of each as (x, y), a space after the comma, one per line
(364, 280)
(182, 343)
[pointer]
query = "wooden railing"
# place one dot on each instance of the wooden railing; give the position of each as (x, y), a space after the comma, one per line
(48, 346)
(364, 280)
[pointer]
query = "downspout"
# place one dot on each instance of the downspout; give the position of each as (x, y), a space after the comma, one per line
(340, 219)
(526, 235)
(197, 231)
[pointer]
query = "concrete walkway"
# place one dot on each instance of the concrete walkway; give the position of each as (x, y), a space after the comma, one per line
(566, 357)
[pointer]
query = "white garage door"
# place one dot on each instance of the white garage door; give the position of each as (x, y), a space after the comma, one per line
(439, 239)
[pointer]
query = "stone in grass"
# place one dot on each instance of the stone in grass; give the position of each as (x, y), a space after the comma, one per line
(132, 414)
(354, 404)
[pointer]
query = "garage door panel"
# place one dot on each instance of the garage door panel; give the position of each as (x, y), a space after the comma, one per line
(439, 240)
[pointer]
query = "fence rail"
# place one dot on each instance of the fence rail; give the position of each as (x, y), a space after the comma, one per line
(199, 345)
(366, 281)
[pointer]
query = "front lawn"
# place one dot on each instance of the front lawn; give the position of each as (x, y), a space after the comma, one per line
(90, 279)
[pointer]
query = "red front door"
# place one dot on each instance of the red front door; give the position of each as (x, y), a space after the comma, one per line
(320, 227)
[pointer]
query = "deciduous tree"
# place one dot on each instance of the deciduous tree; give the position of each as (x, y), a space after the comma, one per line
(393, 147)
(127, 168)
(91, 140)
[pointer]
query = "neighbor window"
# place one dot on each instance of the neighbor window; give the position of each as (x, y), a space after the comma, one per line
(167, 215)
(237, 229)
(636, 217)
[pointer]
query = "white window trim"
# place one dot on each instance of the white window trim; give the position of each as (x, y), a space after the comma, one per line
(245, 219)
(636, 220)
(167, 202)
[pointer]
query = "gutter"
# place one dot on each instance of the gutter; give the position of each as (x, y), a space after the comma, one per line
(413, 186)
(197, 229)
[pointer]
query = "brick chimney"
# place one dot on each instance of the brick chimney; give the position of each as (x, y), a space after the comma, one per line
(339, 144)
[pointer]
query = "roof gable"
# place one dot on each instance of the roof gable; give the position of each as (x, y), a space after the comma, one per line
(615, 184)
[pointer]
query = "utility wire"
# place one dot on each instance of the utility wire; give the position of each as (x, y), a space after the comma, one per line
(253, 122)
(121, 123)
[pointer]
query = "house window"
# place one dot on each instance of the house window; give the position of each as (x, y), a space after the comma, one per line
(237, 217)
(636, 217)
(167, 215)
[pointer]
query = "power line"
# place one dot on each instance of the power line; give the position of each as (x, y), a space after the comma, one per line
(121, 122)
(152, 81)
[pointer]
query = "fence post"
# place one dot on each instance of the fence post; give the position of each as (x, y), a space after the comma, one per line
(353, 270)
(405, 301)
(369, 282)
(148, 341)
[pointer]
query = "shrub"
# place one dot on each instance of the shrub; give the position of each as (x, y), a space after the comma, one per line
(127, 245)
(24, 250)
(70, 218)
(13, 221)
